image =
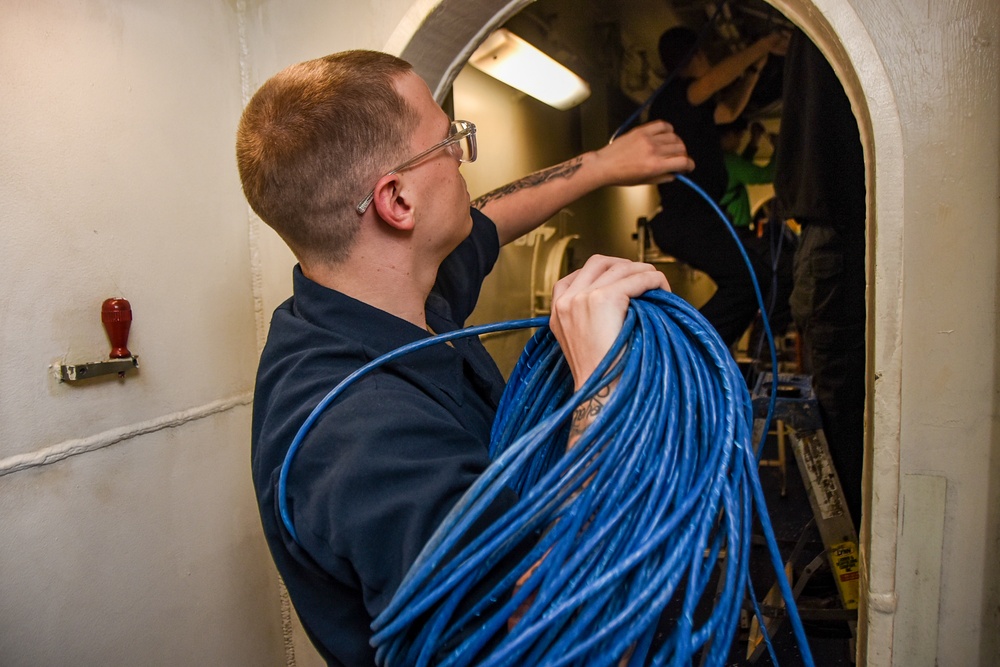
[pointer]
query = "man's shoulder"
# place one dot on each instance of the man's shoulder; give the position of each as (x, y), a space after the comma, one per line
(407, 395)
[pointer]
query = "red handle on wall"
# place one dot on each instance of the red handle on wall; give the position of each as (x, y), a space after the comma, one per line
(116, 314)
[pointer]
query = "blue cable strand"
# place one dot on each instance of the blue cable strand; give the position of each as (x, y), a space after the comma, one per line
(760, 301)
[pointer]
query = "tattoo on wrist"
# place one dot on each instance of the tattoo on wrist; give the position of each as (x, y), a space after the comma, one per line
(564, 170)
(587, 412)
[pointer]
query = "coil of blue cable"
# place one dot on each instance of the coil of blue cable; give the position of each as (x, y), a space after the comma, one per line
(631, 519)
(635, 516)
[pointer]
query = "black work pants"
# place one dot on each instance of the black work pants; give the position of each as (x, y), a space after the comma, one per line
(828, 305)
(704, 243)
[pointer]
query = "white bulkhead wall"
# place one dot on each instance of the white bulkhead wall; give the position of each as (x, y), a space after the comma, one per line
(130, 534)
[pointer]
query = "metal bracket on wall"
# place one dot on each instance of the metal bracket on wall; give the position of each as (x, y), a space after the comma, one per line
(77, 372)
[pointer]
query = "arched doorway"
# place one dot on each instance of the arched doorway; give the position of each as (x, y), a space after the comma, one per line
(437, 37)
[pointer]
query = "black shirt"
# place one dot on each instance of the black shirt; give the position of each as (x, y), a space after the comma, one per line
(820, 166)
(386, 461)
(695, 125)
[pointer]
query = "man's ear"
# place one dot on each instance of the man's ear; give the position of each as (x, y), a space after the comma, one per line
(391, 204)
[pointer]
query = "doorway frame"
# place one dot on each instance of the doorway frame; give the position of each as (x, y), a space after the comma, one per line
(438, 36)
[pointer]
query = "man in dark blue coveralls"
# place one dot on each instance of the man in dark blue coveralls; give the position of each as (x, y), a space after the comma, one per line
(352, 162)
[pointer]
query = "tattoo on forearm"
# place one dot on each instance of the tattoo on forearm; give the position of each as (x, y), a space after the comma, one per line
(587, 413)
(564, 170)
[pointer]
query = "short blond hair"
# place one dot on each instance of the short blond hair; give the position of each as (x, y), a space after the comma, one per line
(314, 139)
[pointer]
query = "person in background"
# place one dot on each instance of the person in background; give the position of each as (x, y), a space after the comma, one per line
(741, 170)
(698, 98)
(355, 166)
(820, 182)
(772, 242)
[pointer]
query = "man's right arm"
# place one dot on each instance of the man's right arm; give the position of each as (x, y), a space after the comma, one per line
(650, 153)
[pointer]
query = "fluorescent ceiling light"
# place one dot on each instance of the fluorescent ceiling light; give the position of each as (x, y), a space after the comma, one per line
(507, 57)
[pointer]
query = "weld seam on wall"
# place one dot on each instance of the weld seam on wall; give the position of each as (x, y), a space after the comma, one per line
(257, 281)
(253, 222)
(260, 322)
(287, 623)
(69, 448)
(257, 292)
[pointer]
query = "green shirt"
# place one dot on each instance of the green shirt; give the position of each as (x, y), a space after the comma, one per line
(742, 172)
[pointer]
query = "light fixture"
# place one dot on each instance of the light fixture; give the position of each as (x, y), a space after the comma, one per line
(507, 57)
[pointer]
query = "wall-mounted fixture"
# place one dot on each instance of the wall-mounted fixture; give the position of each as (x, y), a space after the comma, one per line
(116, 315)
(507, 57)
(544, 278)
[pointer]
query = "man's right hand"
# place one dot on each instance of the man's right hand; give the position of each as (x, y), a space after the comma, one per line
(648, 154)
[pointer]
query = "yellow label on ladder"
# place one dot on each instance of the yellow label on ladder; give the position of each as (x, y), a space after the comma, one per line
(846, 568)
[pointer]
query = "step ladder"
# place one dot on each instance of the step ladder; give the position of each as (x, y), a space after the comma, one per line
(797, 416)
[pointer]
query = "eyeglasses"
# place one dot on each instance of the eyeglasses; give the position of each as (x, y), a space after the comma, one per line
(461, 142)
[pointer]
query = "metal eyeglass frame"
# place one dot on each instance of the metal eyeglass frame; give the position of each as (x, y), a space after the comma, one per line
(460, 130)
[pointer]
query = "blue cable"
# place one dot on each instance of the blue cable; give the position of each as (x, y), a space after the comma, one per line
(631, 519)
(776, 239)
(613, 555)
(760, 302)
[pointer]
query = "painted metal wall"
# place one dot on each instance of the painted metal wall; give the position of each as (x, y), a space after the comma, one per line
(127, 515)
(129, 534)
(942, 59)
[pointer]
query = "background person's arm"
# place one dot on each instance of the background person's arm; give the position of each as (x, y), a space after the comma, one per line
(732, 67)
